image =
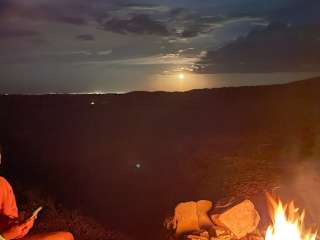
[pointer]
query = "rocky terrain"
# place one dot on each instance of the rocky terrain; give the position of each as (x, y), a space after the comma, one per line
(127, 160)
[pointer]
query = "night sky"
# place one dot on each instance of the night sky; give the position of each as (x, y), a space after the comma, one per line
(81, 46)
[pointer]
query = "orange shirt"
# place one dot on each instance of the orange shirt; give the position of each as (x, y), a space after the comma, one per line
(8, 205)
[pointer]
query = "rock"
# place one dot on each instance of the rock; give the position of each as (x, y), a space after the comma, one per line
(215, 220)
(222, 237)
(219, 231)
(241, 219)
(186, 218)
(196, 237)
(192, 216)
(203, 207)
(202, 236)
(205, 234)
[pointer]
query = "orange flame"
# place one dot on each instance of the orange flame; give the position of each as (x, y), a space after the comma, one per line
(287, 222)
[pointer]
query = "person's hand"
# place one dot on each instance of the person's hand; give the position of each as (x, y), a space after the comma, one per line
(19, 230)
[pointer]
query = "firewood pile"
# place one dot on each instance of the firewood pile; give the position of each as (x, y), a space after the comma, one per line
(197, 221)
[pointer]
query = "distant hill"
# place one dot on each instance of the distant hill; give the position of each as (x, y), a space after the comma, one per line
(127, 159)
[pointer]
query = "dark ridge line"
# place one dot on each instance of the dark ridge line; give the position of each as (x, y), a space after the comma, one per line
(298, 82)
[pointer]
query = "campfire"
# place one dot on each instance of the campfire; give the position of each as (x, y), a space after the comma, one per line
(287, 223)
(196, 221)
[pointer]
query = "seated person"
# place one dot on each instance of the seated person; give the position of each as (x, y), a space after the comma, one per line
(10, 228)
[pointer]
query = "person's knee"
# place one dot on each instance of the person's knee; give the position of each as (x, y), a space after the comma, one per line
(51, 236)
(65, 236)
(68, 236)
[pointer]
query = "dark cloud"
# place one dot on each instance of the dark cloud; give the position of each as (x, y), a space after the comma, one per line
(39, 41)
(4, 4)
(298, 12)
(179, 13)
(190, 24)
(178, 22)
(119, 16)
(72, 20)
(65, 14)
(133, 19)
(278, 48)
(11, 32)
(199, 26)
(86, 37)
(139, 24)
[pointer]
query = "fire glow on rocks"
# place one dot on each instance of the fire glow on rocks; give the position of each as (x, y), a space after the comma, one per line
(200, 221)
(287, 223)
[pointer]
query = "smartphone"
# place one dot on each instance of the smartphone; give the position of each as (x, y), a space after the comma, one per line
(35, 213)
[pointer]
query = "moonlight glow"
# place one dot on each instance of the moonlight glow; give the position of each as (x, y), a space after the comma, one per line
(181, 76)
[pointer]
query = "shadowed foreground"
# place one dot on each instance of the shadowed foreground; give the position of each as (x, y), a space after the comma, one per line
(126, 160)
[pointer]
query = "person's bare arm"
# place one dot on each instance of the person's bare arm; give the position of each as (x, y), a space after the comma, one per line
(18, 231)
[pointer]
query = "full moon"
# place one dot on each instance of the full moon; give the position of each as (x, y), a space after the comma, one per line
(181, 76)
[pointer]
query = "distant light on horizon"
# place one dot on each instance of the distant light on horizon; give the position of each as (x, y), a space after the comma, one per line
(181, 76)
